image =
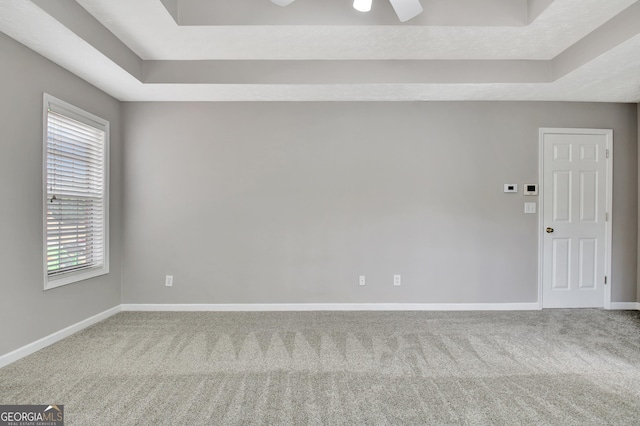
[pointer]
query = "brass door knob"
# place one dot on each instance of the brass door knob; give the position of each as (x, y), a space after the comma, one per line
(549, 230)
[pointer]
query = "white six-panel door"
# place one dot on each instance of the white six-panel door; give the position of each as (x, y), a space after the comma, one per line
(575, 211)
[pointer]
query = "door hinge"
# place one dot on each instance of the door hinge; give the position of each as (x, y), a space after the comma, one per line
(605, 279)
(607, 153)
(606, 217)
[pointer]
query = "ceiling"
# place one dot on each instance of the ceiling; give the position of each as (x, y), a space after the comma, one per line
(324, 50)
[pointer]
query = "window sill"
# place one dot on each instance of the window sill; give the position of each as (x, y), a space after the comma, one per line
(72, 277)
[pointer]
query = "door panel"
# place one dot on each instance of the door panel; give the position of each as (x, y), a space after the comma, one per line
(588, 196)
(561, 259)
(588, 260)
(561, 196)
(574, 218)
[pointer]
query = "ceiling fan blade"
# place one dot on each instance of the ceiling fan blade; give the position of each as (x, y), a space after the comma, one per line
(406, 9)
(282, 2)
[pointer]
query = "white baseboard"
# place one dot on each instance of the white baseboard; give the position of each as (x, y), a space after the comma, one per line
(625, 306)
(56, 337)
(261, 307)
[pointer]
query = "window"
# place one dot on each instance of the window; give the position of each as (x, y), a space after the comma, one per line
(76, 194)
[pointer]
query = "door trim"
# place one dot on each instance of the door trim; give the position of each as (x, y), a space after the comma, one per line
(609, 204)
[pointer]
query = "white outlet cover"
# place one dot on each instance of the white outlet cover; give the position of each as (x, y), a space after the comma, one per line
(361, 280)
(168, 281)
(397, 280)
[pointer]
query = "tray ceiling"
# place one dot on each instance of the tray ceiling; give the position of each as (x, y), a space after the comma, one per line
(323, 50)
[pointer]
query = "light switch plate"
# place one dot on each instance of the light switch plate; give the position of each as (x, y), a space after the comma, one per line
(530, 208)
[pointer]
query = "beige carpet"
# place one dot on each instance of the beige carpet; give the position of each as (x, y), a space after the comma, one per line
(559, 367)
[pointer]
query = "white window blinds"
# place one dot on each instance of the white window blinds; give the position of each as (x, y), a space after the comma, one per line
(75, 212)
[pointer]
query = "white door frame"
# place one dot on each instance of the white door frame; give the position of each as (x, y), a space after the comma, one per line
(609, 204)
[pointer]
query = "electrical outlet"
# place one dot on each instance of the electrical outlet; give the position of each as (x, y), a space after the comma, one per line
(397, 280)
(168, 281)
(361, 280)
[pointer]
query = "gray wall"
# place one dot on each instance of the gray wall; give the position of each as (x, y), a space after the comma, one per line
(28, 312)
(290, 202)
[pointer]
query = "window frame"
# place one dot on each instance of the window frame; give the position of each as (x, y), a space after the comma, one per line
(61, 107)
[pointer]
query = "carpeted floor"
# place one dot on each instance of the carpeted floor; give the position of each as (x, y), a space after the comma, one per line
(558, 367)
